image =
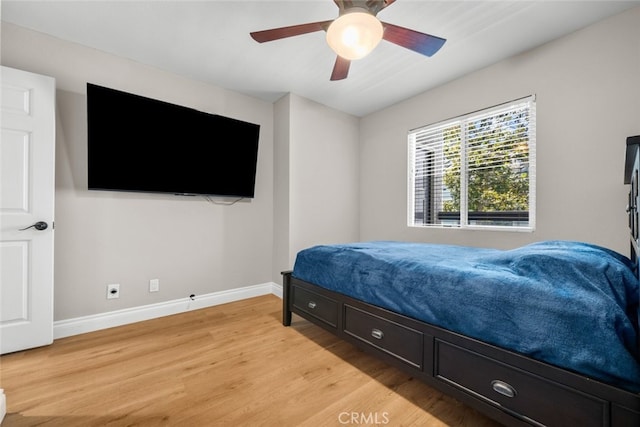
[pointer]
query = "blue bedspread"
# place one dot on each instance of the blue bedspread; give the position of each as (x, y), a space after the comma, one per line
(571, 304)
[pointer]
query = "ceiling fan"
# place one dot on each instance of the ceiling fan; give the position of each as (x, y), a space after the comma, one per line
(356, 32)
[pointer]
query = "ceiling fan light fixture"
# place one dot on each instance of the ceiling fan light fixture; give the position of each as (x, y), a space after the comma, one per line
(354, 34)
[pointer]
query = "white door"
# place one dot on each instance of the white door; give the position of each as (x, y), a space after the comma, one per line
(27, 159)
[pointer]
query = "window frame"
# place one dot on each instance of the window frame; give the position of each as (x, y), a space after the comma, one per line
(465, 217)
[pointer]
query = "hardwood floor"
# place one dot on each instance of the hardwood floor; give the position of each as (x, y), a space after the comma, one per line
(229, 365)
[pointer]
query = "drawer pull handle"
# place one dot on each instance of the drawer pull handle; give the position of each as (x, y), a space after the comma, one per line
(311, 305)
(503, 388)
(377, 334)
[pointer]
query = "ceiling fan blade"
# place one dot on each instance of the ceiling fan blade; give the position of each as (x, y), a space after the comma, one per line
(340, 69)
(425, 44)
(294, 30)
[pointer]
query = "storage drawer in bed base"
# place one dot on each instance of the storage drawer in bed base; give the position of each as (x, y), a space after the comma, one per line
(394, 339)
(512, 389)
(312, 303)
(526, 396)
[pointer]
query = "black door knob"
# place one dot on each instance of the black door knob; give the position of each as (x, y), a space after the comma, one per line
(40, 225)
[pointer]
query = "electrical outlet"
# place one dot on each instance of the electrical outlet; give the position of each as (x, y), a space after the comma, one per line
(113, 291)
(154, 285)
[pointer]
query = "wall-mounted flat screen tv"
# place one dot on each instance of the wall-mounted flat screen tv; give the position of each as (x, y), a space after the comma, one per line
(141, 144)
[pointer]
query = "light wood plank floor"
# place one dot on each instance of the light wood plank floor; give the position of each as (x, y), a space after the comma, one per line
(229, 365)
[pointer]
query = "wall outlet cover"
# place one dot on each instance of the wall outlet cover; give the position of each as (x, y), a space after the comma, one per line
(113, 291)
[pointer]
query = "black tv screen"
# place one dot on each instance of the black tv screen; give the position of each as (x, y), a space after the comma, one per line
(141, 144)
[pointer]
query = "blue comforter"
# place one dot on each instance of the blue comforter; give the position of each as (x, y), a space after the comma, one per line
(571, 304)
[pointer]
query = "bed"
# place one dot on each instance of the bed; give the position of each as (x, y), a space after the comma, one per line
(543, 334)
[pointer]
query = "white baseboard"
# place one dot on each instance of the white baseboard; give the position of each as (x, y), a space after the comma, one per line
(3, 405)
(81, 325)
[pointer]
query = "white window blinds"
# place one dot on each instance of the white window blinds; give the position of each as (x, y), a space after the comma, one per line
(477, 170)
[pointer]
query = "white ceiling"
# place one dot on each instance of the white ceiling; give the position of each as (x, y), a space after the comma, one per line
(209, 41)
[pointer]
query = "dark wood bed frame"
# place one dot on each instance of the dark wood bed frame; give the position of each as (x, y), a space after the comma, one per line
(513, 389)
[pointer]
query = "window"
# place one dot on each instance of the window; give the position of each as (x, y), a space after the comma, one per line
(477, 170)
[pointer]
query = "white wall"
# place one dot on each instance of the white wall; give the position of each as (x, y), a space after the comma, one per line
(588, 101)
(281, 227)
(317, 193)
(191, 245)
